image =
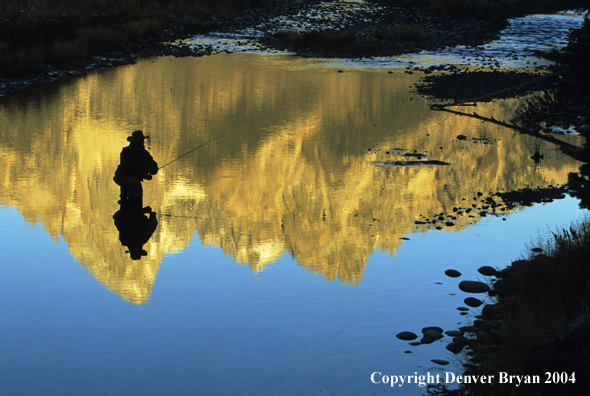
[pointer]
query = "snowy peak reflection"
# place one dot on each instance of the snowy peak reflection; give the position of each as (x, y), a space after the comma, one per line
(292, 174)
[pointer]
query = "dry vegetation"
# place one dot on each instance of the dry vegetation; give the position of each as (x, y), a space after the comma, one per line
(548, 291)
(132, 8)
(493, 9)
(35, 33)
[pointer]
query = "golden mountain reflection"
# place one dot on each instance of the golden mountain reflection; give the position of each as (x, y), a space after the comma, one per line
(293, 171)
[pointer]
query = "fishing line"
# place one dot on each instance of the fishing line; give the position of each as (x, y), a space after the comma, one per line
(184, 217)
(188, 152)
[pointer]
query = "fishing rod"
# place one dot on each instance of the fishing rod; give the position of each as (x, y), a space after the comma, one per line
(188, 152)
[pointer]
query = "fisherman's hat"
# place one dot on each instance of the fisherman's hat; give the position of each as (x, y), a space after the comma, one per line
(137, 136)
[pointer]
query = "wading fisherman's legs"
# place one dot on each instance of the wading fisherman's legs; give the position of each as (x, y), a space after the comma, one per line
(130, 187)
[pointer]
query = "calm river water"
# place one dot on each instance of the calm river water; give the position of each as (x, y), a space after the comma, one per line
(286, 256)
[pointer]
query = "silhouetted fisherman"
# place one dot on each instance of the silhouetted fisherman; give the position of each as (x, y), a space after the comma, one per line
(136, 165)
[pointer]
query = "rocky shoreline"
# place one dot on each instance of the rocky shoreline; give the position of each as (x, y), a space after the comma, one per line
(486, 344)
(369, 24)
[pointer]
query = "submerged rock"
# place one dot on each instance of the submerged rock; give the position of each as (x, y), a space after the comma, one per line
(440, 361)
(414, 155)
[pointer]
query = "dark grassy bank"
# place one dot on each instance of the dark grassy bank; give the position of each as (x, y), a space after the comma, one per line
(541, 322)
(67, 33)
(575, 58)
(418, 30)
(493, 9)
(37, 33)
(539, 327)
(572, 96)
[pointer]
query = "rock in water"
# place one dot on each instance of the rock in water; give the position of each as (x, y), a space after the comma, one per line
(472, 302)
(473, 287)
(452, 273)
(455, 347)
(435, 328)
(486, 270)
(431, 335)
(407, 336)
(439, 361)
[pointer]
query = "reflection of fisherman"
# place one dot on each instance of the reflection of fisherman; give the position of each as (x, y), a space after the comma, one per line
(135, 229)
(136, 165)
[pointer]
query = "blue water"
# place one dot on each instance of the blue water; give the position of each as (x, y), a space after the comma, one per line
(214, 327)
